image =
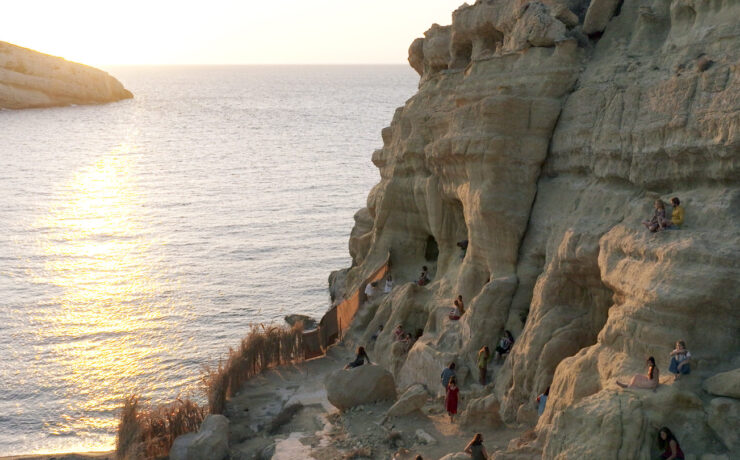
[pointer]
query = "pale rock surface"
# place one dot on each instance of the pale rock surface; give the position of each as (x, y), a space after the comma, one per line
(482, 411)
(422, 437)
(413, 399)
(211, 442)
(31, 79)
(545, 149)
(347, 388)
(724, 418)
(724, 384)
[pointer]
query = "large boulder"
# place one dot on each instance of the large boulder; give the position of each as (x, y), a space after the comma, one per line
(211, 442)
(482, 411)
(724, 384)
(724, 418)
(411, 400)
(346, 388)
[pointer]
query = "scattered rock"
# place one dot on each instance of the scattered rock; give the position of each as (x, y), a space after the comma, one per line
(347, 388)
(211, 442)
(308, 322)
(411, 400)
(724, 384)
(424, 438)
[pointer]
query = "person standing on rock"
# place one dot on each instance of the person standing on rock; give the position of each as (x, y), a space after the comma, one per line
(359, 359)
(658, 221)
(475, 448)
(451, 398)
(447, 374)
(646, 383)
(484, 356)
(680, 360)
(669, 444)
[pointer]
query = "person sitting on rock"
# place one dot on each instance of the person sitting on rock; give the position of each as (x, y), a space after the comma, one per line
(680, 360)
(542, 401)
(451, 398)
(504, 345)
(398, 333)
(464, 246)
(424, 277)
(371, 290)
(447, 374)
(359, 359)
(455, 311)
(377, 333)
(388, 284)
(676, 214)
(649, 382)
(475, 448)
(658, 221)
(408, 342)
(484, 356)
(667, 441)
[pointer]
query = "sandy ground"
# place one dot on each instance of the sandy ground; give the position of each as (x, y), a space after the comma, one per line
(320, 431)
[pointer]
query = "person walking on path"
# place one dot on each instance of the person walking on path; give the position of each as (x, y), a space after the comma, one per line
(475, 448)
(451, 398)
(484, 356)
(447, 374)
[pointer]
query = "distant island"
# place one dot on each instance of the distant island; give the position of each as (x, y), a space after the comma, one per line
(30, 79)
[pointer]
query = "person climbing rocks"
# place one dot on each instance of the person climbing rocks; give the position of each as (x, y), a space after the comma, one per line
(504, 345)
(424, 277)
(475, 448)
(658, 220)
(484, 356)
(676, 214)
(649, 382)
(359, 359)
(680, 360)
(542, 401)
(668, 442)
(451, 398)
(388, 284)
(463, 245)
(447, 373)
(455, 312)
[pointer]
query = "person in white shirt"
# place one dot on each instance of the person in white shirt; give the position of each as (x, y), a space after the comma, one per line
(388, 284)
(370, 290)
(680, 360)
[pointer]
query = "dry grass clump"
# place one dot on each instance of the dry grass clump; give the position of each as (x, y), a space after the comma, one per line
(148, 432)
(261, 349)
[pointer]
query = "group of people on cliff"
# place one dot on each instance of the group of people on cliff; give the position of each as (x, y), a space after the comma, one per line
(658, 221)
(679, 365)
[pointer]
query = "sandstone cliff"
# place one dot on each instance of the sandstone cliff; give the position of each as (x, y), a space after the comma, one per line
(542, 132)
(32, 79)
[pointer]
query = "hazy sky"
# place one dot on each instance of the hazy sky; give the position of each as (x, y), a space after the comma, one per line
(104, 32)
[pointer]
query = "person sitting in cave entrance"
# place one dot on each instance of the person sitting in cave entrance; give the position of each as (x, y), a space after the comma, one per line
(375, 335)
(464, 246)
(424, 277)
(455, 311)
(680, 360)
(398, 333)
(649, 382)
(504, 345)
(359, 359)
(658, 221)
(388, 284)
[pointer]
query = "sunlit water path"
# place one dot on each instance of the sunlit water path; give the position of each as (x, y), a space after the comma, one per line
(141, 239)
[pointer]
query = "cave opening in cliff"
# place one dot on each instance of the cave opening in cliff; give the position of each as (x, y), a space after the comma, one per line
(461, 54)
(431, 252)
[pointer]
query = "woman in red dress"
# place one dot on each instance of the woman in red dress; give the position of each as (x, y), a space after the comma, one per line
(451, 398)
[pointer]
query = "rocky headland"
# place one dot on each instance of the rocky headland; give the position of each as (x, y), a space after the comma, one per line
(29, 79)
(542, 132)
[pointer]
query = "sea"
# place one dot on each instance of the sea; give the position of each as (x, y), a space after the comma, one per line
(141, 239)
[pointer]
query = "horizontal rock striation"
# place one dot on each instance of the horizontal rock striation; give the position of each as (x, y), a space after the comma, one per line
(31, 79)
(542, 132)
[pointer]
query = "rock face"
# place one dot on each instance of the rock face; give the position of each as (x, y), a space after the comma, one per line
(724, 384)
(211, 442)
(545, 147)
(31, 79)
(347, 388)
(411, 400)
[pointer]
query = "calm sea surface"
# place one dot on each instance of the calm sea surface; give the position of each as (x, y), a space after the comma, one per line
(140, 239)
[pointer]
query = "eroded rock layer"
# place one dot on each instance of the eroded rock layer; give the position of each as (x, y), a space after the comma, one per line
(31, 79)
(542, 132)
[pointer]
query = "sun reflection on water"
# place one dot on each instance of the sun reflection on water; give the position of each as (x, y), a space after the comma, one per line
(108, 325)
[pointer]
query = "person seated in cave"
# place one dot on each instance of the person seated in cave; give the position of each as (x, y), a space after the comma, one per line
(359, 359)
(375, 335)
(371, 289)
(680, 360)
(463, 245)
(424, 277)
(645, 382)
(657, 221)
(676, 215)
(504, 345)
(398, 333)
(455, 311)
(388, 284)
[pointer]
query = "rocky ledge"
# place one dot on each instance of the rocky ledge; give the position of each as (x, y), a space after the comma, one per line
(31, 79)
